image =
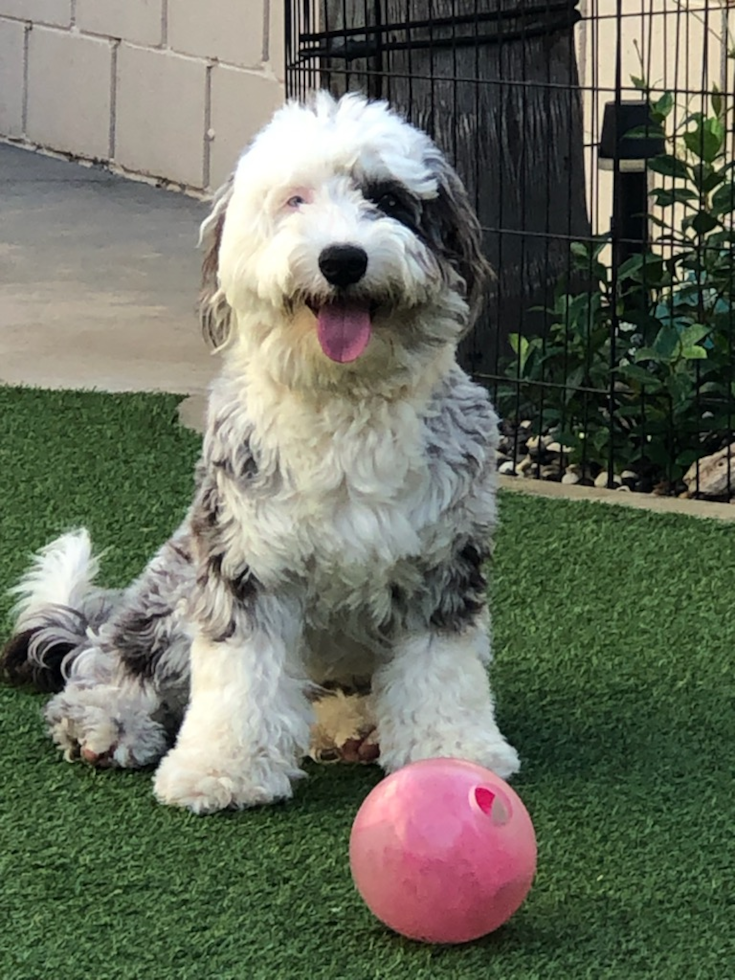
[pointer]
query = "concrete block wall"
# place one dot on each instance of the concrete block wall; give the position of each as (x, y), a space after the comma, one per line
(169, 89)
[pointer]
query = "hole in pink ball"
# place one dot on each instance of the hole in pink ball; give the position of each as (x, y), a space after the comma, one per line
(484, 798)
(493, 805)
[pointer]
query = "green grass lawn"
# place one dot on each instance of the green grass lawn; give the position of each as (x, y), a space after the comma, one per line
(615, 634)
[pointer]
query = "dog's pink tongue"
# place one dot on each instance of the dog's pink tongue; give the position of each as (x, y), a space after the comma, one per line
(344, 331)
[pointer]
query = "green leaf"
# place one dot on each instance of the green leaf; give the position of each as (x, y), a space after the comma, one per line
(682, 388)
(712, 388)
(703, 222)
(580, 250)
(694, 353)
(665, 104)
(693, 334)
(666, 343)
(669, 166)
(694, 117)
(631, 265)
(590, 248)
(664, 198)
(517, 342)
(713, 179)
(647, 269)
(716, 101)
(646, 354)
(634, 372)
(705, 141)
(639, 83)
(703, 176)
(572, 382)
(717, 130)
(521, 348)
(721, 239)
(660, 223)
(586, 263)
(723, 199)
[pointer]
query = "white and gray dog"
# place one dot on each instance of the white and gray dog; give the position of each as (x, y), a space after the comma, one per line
(345, 497)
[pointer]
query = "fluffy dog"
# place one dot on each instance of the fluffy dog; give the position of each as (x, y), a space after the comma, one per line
(344, 500)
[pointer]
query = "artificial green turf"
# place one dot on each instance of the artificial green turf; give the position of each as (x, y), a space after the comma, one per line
(615, 634)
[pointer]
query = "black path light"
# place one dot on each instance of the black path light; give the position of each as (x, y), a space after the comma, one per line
(629, 138)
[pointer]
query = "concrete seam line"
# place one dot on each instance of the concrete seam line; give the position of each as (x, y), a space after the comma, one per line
(637, 501)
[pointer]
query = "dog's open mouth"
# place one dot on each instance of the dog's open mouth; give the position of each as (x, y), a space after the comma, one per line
(344, 329)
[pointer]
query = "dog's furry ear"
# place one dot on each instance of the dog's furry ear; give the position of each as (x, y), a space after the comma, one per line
(457, 235)
(215, 313)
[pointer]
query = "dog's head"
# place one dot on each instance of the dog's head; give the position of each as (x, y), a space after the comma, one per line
(343, 240)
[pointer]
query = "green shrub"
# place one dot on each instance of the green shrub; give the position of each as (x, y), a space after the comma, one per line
(636, 370)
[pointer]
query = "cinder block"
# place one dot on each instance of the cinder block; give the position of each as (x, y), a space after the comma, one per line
(275, 44)
(242, 102)
(225, 30)
(57, 13)
(12, 42)
(160, 117)
(69, 92)
(140, 21)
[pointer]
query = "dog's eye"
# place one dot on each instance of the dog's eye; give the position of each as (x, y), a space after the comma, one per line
(296, 201)
(387, 203)
(393, 204)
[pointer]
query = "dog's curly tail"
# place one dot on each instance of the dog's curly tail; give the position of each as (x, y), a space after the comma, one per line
(52, 613)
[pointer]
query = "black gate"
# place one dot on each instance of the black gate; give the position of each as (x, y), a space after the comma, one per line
(598, 150)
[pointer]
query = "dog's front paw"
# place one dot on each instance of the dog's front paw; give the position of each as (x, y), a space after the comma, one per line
(186, 781)
(498, 756)
(492, 752)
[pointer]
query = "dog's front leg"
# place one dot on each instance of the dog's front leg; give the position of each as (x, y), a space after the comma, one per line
(247, 724)
(433, 699)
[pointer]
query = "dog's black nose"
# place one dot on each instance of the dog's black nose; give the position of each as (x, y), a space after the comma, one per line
(343, 265)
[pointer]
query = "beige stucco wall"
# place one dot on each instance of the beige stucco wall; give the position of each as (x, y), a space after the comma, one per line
(175, 88)
(162, 88)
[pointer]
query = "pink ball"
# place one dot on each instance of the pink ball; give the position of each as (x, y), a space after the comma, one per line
(443, 851)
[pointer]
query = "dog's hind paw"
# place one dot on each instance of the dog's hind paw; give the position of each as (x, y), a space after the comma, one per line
(345, 729)
(204, 787)
(104, 728)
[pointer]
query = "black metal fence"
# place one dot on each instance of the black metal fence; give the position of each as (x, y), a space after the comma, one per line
(596, 140)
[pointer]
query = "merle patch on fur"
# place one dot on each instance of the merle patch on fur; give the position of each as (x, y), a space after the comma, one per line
(452, 229)
(141, 639)
(19, 669)
(229, 449)
(239, 465)
(449, 599)
(237, 589)
(393, 200)
(215, 313)
(462, 588)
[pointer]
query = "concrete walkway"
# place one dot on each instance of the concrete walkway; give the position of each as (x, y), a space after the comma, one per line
(98, 280)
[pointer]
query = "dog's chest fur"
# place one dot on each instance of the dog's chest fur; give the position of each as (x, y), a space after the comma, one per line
(351, 497)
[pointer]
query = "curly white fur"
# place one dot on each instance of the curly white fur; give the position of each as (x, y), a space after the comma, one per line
(345, 498)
